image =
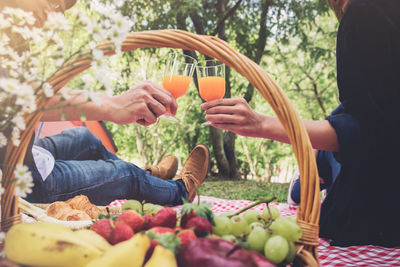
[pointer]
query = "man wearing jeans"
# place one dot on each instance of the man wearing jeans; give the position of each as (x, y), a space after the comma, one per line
(82, 165)
(75, 162)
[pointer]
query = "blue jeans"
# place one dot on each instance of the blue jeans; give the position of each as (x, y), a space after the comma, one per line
(84, 166)
(328, 170)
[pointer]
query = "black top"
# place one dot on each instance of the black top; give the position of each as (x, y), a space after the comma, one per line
(363, 205)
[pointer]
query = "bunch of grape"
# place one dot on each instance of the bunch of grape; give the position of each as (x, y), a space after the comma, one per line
(266, 232)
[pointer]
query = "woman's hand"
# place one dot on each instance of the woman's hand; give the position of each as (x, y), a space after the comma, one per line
(235, 115)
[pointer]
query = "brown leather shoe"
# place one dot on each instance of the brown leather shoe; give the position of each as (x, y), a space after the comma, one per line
(165, 169)
(195, 170)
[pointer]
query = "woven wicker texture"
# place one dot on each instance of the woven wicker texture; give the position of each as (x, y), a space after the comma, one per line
(309, 210)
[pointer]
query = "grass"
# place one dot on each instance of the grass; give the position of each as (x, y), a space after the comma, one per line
(243, 189)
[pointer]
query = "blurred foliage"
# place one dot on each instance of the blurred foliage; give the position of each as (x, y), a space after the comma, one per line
(299, 52)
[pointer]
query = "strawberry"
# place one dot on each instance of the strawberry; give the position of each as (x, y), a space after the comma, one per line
(103, 227)
(147, 221)
(186, 236)
(186, 217)
(200, 225)
(120, 233)
(131, 218)
(161, 230)
(200, 209)
(167, 240)
(164, 217)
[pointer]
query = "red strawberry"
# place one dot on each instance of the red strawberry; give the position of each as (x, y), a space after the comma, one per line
(200, 225)
(120, 233)
(131, 218)
(161, 230)
(147, 221)
(186, 236)
(164, 217)
(103, 227)
(186, 217)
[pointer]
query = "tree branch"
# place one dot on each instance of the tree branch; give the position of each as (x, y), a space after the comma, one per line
(226, 16)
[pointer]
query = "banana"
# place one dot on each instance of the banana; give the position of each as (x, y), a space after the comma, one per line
(47, 244)
(93, 238)
(161, 257)
(130, 253)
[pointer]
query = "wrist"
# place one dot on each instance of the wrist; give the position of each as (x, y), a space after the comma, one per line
(106, 108)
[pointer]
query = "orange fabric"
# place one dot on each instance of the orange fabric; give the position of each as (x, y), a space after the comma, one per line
(95, 127)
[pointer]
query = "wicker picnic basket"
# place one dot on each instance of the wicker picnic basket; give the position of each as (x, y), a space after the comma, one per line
(309, 209)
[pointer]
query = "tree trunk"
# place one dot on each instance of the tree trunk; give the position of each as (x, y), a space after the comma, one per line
(216, 138)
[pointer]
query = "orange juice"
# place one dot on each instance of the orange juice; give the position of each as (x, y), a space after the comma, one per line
(177, 84)
(212, 88)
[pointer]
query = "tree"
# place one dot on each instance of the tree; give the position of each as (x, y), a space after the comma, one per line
(272, 33)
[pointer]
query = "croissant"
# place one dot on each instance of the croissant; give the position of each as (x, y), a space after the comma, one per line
(82, 203)
(63, 211)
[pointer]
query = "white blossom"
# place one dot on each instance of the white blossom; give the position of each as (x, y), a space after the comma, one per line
(48, 90)
(57, 20)
(4, 23)
(24, 181)
(1, 190)
(23, 188)
(19, 122)
(18, 16)
(45, 57)
(98, 54)
(15, 137)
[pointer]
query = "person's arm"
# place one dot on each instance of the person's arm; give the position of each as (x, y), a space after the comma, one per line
(142, 104)
(235, 115)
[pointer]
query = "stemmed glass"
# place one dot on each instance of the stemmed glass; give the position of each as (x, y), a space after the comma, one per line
(178, 74)
(211, 79)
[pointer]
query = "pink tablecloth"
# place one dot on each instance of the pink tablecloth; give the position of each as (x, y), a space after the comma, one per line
(328, 255)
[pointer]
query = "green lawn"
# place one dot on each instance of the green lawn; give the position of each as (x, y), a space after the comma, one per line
(249, 190)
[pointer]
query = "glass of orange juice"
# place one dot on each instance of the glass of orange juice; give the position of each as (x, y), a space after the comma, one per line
(211, 79)
(178, 74)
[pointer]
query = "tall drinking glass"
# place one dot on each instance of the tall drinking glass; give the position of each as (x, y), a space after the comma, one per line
(211, 79)
(178, 74)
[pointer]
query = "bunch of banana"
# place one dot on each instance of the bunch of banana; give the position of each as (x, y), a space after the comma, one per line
(161, 257)
(130, 253)
(49, 244)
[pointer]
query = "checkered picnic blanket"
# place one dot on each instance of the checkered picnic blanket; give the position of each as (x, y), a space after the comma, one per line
(328, 255)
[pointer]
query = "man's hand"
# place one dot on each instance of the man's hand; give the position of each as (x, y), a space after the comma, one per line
(235, 115)
(142, 104)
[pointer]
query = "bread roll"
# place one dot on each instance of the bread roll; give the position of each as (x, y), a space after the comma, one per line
(82, 202)
(63, 211)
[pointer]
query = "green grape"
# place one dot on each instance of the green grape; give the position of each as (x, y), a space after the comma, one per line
(293, 218)
(230, 238)
(256, 224)
(291, 253)
(274, 213)
(239, 226)
(257, 238)
(286, 228)
(148, 208)
(276, 249)
(223, 225)
(132, 204)
(251, 216)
